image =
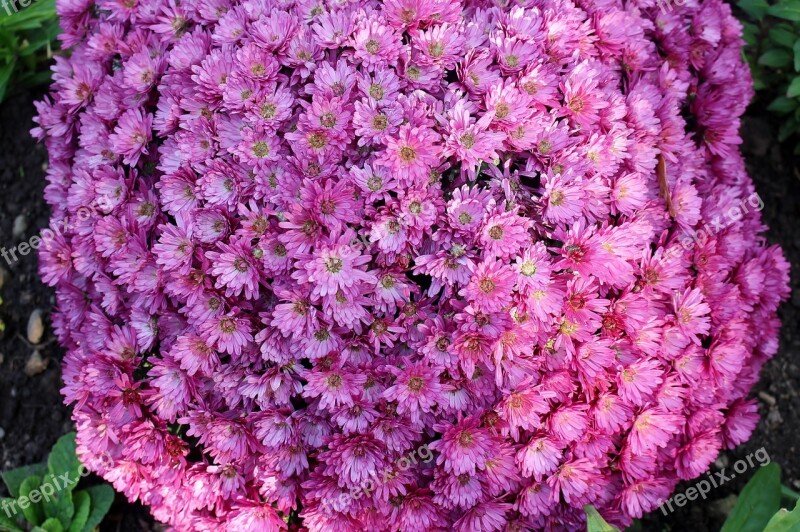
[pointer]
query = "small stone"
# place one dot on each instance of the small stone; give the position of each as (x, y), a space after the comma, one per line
(20, 225)
(721, 462)
(36, 326)
(2, 433)
(3, 275)
(767, 398)
(2, 358)
(35, 365)
(723, 507)
(774, 417)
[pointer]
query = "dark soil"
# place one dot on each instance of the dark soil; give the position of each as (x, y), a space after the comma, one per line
(32, 416)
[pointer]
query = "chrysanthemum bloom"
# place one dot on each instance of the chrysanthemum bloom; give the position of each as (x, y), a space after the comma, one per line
(407, 265)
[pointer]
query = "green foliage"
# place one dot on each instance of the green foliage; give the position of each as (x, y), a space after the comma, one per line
(772, 34)
(758, 507)
(63, 509)
(595, 522)
(757, 503)
(27, 40)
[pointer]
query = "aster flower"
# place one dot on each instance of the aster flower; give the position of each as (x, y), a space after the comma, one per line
(490, 287)
(132, 135)
(691, 311)
(651, 429)
(335, 267)
(412, 153)
(469, 140)
(464, 446)
(235, 269)
(376, 44)
(417, 389)
(441, 44)
(334, 387)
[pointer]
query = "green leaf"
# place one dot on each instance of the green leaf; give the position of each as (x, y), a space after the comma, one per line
(750, 33)
(595, 522)
(759, 500)
(13, 478)
(775, 58)
(755, 8)
(52, 525)
(83, 504)
(7, 514)
(787, 129)
(782, 37)
(60, 506)
(786, 9)
(782, 105)
(102, 497)
(785, 521)
(63, 460)
(31, 510)
(796, 51)
(794, 88)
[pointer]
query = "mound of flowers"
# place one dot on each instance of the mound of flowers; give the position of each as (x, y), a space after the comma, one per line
(411, 265)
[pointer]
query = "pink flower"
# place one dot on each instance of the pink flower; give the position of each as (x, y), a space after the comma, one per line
(652, 428)
(489, 289)
(417, 389)
(412, 153)
(464, 447)
(539, 457)
(132, 135)
(335, 267)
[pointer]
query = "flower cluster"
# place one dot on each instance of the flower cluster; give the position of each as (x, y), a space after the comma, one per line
(327, 233)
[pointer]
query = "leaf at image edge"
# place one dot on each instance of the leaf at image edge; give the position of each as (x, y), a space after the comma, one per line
(784, 520)
(794, 88)
(782, 37)
(775, 58)
(786, 9)
(7, 524)
(755, 8)
(782, 105)
(52, 525)
(14, 477)
(796, 51)
(595, 521)
(757, 503)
